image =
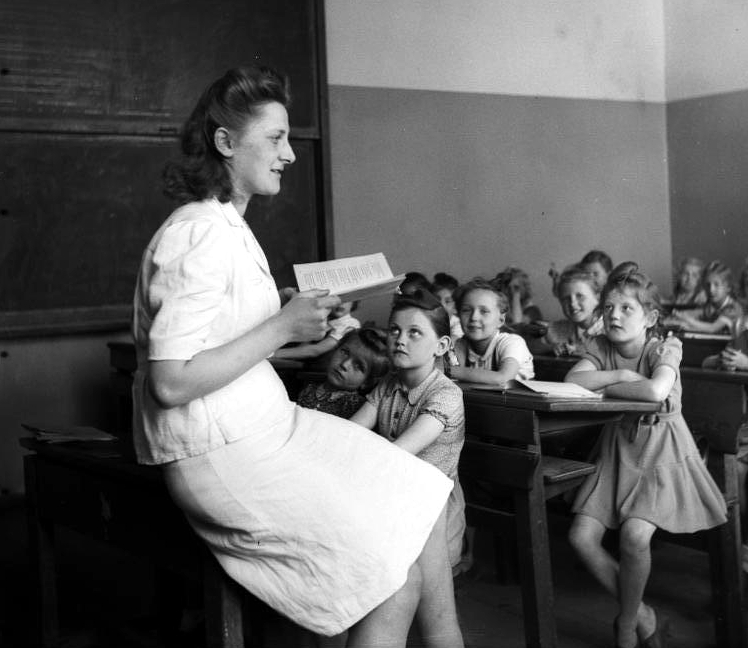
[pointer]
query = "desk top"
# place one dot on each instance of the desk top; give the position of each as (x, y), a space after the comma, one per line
(548, 404)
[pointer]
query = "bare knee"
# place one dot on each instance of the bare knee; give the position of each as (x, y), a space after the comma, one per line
(582, 540)
(634, 539)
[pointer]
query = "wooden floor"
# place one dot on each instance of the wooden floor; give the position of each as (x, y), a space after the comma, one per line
(107, 597)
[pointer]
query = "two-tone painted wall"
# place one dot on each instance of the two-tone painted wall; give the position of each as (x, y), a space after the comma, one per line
(471, 136)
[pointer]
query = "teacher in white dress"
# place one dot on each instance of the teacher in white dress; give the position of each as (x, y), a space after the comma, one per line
(326, 522)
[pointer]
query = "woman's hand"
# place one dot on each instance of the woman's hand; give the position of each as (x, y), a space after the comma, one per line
(304, 317)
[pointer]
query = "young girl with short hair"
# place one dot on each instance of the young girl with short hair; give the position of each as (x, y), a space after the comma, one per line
(416, 406)
(486, 354)
(649, 473)
(579, 295)
(357, 364)
(721, 308)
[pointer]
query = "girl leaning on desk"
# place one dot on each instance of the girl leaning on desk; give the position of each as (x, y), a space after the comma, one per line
(326, 522)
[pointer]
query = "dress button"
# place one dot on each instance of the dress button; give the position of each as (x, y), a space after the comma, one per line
(396, 415)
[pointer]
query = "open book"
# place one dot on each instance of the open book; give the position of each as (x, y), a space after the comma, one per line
(541, 389)
(351, 278)
(555, 389)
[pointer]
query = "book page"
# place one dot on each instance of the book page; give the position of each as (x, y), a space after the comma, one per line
(558, 389)
(350, 278)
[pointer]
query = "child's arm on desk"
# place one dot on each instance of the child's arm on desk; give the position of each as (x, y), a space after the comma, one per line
(624, 383)
(691, 323)
(507, 371)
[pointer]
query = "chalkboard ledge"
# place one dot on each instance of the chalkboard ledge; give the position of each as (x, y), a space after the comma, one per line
(64, 321)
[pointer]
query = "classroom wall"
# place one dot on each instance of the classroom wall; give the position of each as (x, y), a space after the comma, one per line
(707, 117)
(62, 379)
(469, 137)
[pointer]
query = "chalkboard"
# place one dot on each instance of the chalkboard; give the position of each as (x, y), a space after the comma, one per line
(92, 93)
(139, 66)
(77, 212)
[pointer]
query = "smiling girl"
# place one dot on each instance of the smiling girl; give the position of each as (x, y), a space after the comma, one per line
(579, 296)
(486, 354)
(649, 473)
(417, 407)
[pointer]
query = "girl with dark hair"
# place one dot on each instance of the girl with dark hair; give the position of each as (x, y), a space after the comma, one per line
(301, 508)
(355, 367)
(649, 473)
(417, 407)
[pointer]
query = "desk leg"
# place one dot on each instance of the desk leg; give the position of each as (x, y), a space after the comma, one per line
(724, 544)
(223, 607)
(535, 566)
(41, 554)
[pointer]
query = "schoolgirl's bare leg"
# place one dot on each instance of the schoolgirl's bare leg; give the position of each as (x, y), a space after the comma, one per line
(437, 613)
(586, 536)
(635, 566)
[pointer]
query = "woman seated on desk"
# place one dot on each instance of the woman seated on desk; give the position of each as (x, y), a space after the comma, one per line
(329, 524)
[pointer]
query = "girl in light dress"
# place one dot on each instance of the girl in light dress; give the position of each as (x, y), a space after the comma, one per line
(486, 354)
(354, 368)
(649, 473)
(416, 406)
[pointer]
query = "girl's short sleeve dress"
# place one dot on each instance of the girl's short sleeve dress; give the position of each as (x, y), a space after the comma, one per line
(648, 467)
(313, 514)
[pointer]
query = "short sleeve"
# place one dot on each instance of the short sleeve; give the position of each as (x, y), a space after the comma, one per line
(594, 351)
(376, 395)
(189, 282)
(667, 352)
(445, 405)
(513, 346)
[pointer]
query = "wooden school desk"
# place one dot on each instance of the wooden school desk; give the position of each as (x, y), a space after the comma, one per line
(515, 426)
(714, 406)
(97, 489)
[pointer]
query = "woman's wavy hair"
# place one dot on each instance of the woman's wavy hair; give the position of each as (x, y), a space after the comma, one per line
(374, 340)
(228, 102)
(479, 283)
(627, 277)
(428, 304)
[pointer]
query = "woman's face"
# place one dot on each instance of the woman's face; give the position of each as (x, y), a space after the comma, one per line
(258, 154)
(717, 288)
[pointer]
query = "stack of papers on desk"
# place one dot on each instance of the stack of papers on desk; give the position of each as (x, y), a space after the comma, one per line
(67, 433)
(351, 278)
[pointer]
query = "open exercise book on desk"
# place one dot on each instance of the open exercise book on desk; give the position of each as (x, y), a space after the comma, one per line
(351, 278)
(541, 389)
